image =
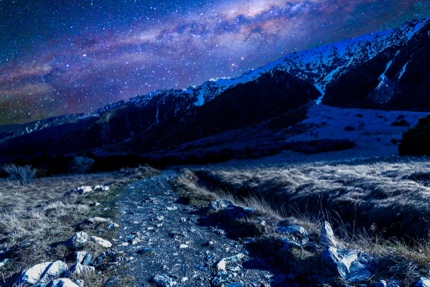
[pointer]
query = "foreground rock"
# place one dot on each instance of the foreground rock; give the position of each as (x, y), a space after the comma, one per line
(42, 273)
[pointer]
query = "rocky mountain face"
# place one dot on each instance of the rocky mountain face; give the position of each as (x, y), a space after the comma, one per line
(385, 70)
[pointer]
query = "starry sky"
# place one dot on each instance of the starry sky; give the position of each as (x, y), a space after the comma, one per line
(59, 57)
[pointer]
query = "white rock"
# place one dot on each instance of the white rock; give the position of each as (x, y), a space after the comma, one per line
(222, 265)
(97, 219)
(101, 188)
(327, 237)
(423, 282)
(77, 241)
(100, 241)
(79, 256)
(43, 272)
(84, 189)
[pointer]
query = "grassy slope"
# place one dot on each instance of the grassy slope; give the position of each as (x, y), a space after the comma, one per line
(379, 206)
(35, 218)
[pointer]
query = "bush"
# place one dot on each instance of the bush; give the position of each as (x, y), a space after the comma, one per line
(416, 141)
(80, 165)
(22, 174)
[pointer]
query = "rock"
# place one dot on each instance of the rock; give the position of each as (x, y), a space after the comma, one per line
(77, 241)
(327, 237)
(101, 242)
(236, 284)
(222, 264)
(42, 273)
(63, 282)
(163, 281)
(3, 262)
(82, 190)
(97, 219)
(79, 256)
(101, 188)
(87, 259)
(347, 264)
(112, 225)
(78, 268)
(423, 282)
(293, 230)
(220, 204)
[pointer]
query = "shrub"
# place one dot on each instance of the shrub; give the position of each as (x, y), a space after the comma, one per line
(22, 174)
(416, 141)
(80, 165)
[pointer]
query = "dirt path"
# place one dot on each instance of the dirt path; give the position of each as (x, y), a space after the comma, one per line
(162, 240)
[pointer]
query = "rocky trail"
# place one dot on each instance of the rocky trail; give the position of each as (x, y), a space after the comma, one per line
(164, 244)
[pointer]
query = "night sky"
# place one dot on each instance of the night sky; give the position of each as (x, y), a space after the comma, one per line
(66, 56)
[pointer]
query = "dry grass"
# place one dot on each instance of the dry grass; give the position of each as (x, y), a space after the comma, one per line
(35, 218)
(392, 198)
(380, 207)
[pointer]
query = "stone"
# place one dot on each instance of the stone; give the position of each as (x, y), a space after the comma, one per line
(87, 259)
(78, 268)
(97, 219)
(42, 273)
(163, 281)
(236, 284)
(101, 188)
(63, 282)
(79, 256)
(347, 264)
(77, 241)
(222, 264)
(423, 282)
(112, 225)
(219, 204)
(327, 237)
(101, 242)
(293, 230)
(3, 262)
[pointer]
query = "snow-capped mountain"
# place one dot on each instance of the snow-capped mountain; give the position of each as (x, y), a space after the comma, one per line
(384, 70)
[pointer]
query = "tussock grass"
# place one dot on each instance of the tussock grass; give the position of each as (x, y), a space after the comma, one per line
(35, 219)
(392, 198)
(379, 207)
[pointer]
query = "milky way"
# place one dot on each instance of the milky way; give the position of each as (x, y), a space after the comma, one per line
(60, 57)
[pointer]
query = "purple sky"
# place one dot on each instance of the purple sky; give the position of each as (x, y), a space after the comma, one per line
(74, 56)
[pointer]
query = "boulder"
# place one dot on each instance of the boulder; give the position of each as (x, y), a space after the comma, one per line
(348, 264)
(42, 273)
(423, 282)
(220, 204)
(79, 256)
(327, 237)
(222, 264)
(77, 241)
(101, 188)
(101, 242)
(163, 281)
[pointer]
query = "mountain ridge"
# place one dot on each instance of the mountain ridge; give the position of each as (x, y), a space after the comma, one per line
(355, 73)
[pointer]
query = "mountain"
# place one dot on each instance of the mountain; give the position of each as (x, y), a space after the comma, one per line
(251, 115)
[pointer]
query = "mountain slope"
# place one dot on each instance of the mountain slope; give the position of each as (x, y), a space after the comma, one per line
(386, 70)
